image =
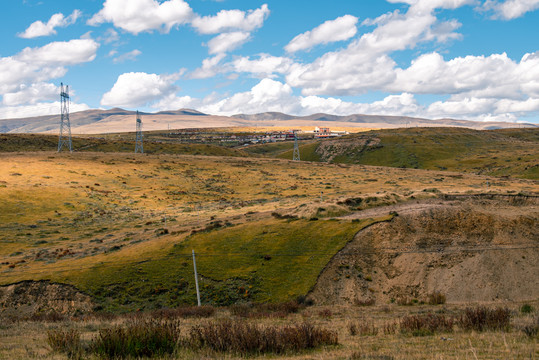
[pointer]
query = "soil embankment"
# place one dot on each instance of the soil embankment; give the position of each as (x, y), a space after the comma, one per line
(471, 249)
(28, 299)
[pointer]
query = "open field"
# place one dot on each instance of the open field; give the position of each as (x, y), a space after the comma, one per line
(103, 230)
(75, 218)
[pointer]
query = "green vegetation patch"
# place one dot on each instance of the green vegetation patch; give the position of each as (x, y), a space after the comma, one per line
(266, 261)
(511, 152)
(279, 259)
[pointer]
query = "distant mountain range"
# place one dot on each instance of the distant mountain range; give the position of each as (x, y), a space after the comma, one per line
(120, 120)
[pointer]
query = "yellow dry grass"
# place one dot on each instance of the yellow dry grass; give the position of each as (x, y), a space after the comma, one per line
(27, 340)
(62, 201)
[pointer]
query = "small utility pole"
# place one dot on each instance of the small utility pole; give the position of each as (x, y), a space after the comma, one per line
(196, 278)
(138, 138)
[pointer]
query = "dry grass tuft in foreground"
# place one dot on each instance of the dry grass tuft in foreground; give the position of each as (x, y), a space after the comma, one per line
(139, 338)
(244, 338)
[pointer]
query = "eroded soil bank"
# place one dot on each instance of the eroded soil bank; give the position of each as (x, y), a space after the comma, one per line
(468, 249)
(28, 299)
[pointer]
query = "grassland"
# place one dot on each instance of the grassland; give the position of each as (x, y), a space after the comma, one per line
(120, 227)
(508, 152)
(111, 143)
(105, 222)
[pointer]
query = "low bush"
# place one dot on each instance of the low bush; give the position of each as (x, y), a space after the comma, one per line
(51, 316)
(325, 313)
(390, 328)
(278, 310)
(303, 300)
(483, 318)
(427, 324)
(139, 338)
(244, 338)
(531, 329)
(526, 309)
(66, 342)
(363, 328)
(436, 298)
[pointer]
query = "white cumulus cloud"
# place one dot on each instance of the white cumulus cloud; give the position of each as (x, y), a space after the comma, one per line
(342, 28)
(39, 64)
(265, 65)
(231, 20)
(210, 67)
(365, 64)
(38, 28)
(138, 89)
(136, 16)
(509, 9)
(31, 94)
(227, 42)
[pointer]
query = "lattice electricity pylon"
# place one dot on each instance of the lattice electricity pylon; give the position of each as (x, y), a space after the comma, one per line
(65, 125)
(138, 138)
(296, 148)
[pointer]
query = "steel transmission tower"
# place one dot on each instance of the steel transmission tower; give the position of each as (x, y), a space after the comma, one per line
(65, 125)
(296, 148)
(138, 139)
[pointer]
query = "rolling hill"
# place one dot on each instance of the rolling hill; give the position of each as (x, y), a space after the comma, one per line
(505, 152)
(120, 120)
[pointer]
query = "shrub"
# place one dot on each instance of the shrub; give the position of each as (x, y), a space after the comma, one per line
(65, 341)
(325, 313)
(303, 300)
(363, 328)
(483, 318)
(390, 328)
(242, 337)
(51, 316)
(428, 324)
(526, 309)
(531, 330)
(139, 338)
(243, 310)
(436, 298)
(265, 310)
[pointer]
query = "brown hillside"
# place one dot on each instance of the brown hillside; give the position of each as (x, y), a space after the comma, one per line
(469, 250)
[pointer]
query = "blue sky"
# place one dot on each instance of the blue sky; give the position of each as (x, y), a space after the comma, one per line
(464, 59)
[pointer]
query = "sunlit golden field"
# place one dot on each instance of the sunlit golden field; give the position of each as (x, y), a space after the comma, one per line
(120, 228)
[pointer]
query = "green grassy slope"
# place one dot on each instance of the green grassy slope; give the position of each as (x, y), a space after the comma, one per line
(269, 260)
(502, 152)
